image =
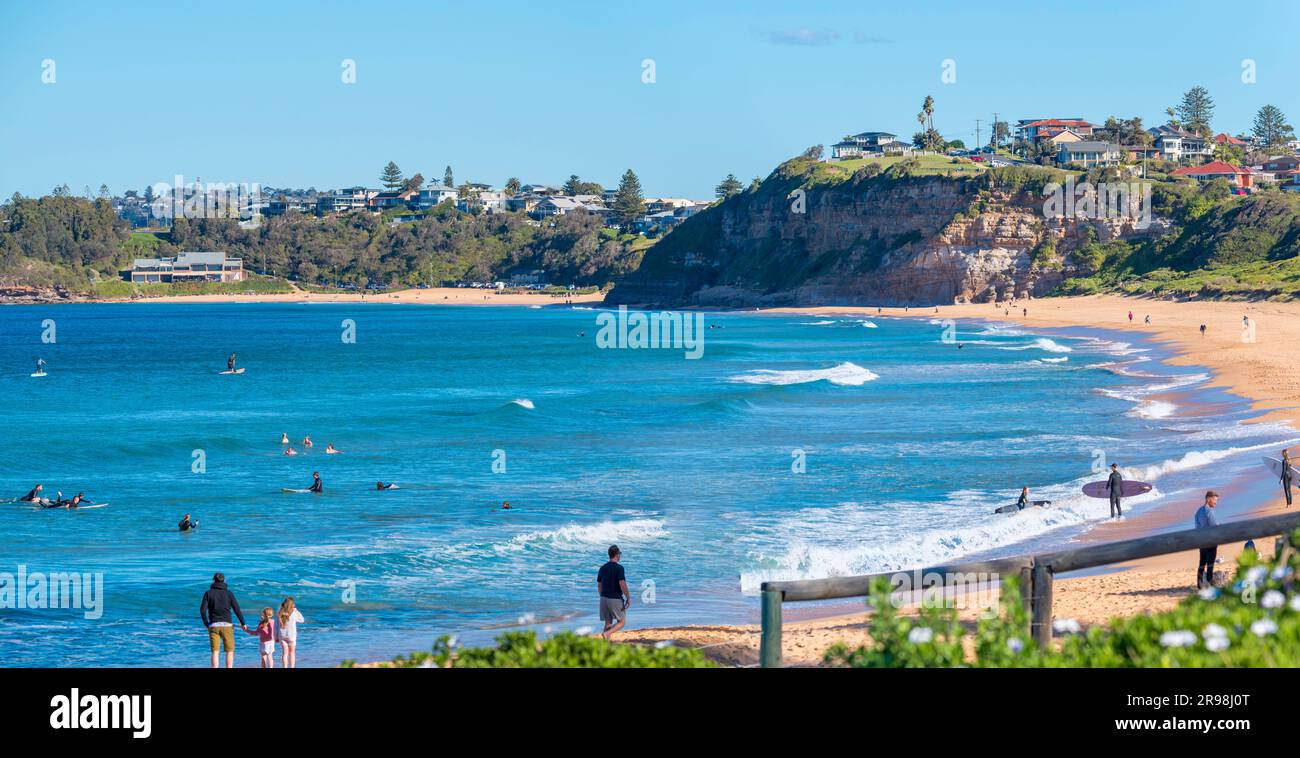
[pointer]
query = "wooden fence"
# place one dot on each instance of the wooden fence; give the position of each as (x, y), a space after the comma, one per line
(1035, 572)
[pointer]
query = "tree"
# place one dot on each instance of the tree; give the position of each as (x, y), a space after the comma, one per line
(391, 178)
(815, 152)
(1270, 127)
(928, 138)
(1230, 154)
(573, 185)
(1196, 110)
(629, 203)
(415, 183)
(1001, 133)
(103, 191)
(512, 186)
(729, 187)
(448, 179)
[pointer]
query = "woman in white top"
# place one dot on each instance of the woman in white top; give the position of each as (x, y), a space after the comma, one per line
(287, 631)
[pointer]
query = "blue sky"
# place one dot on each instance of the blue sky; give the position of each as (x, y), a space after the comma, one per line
(245, 92)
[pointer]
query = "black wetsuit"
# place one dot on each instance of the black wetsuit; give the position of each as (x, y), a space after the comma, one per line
(1115, 485)
(31, 497)
(1286, 480)
(317, 486)
(185, 525)
(1023, 501)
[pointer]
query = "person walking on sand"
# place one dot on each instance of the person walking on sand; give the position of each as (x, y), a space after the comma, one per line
(1130, 317)
(1202, 330)
(289, 618)
(266, 634)
(1115, 486)
(1286, 476)
(1204, 520)
(215, 609)
(611, 583)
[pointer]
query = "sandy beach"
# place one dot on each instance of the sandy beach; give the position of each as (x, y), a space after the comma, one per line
(433, 296)
(1262, 371)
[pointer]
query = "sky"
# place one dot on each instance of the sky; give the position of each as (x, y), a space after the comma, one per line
(254, 92)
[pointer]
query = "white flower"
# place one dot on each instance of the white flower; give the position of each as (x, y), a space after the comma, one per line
(1066, 626)
(453, 641)
(1282, 572)
(1213, 630)
(1273, 599)
(1179, 638)
(1015, 645)
(1216, 644)
(920, 635)
(1209, 593)
(1264, 627)
(1295, 603)
(1256, 575)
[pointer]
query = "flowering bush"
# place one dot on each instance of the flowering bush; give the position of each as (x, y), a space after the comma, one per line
(564, 650)
(1255, 622)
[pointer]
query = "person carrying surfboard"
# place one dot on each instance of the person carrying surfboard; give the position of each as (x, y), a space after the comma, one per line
(317, 485)
(1115, 486)
(1024, 499)
(1286, 476)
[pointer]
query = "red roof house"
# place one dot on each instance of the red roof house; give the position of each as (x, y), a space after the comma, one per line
(1236, 176)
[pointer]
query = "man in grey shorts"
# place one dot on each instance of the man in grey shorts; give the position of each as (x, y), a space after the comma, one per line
(611, 582)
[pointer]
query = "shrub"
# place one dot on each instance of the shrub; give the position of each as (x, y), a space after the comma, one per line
(564, 650)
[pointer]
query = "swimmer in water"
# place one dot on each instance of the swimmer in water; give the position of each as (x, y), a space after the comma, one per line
(290, 451)
(329, 448)
(306, 441)
(187, 524)
(284, 438)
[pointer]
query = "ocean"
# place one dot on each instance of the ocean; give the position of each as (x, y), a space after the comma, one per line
(795, 446)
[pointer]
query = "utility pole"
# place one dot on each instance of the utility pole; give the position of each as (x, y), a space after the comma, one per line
(977, 134)
(994, 139)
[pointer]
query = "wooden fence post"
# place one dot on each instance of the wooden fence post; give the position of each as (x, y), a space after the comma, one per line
(1027, 595)
(1041, 626)
(769, 647)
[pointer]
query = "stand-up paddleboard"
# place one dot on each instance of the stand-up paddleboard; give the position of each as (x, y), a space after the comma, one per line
(290, 489)
(1015, 507)
(236, 371)
(39, 374)
(1275, 465)
(1127, 489)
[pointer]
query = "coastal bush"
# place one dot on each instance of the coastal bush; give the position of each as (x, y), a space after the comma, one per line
(1254, 622)
(564, 650)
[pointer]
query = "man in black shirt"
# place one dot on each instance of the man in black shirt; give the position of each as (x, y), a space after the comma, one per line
(215, 609)
(611, 582)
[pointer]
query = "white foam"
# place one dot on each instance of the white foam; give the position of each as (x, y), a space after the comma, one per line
(1042, 343)
(845, 375)
(582, 536)
(1153, 409)
(523, 402)
(868, 324)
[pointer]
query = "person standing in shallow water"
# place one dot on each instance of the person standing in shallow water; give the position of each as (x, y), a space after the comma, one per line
(611, 584)
(215, 610)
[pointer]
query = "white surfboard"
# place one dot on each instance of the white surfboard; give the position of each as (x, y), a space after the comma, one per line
(39, 374)
(1275, 465)
(236, 371)
(290, 489)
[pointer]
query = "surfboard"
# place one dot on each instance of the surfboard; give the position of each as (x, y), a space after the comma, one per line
(1127, 489)
(1275, 465)
(290, 489)
(39, 374)
(236, 371)
(1013, 507)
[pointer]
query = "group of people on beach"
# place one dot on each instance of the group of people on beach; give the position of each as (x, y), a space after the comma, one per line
(219, 609)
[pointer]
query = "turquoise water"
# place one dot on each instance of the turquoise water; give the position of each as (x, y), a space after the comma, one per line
(908, 444)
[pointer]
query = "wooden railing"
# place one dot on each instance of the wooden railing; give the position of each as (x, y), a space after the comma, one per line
(1036, 573)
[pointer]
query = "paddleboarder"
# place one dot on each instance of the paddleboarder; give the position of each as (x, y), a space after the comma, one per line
(1114, 486)
(1286, 476)
(230, 363)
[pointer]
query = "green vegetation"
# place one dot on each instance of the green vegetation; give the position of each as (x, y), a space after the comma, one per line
(564, 650)
(116, 288)
(924, 165)
(1253, 623)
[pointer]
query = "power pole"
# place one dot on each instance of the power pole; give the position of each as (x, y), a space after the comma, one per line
(977, 134)
(994, 139)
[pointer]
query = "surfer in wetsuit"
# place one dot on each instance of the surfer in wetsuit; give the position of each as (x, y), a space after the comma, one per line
(316, 485)
(40, 366)
(186, 524)
(35, 495)
(1286, 476)
(1115, 485)
(230, 362)
(1024, 499)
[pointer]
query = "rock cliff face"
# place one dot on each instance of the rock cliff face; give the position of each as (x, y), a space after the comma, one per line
(886, 239)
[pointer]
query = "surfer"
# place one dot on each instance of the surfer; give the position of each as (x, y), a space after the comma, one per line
(317, 485)
(505, 505)
(1286, 476)
(230, 363)
(40, 366)
(1024, 499)
(306, 441)
(284, 438)
(186, 524)
(61, 503)
(329, 448)
(1114, 486)
(32, 497)
(382, 486)
(1205, 520)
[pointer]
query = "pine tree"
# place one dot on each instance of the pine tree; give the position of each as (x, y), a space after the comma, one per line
(1196, 110)
(1270, 127)
(448, 179)
(629, 203)
(729, 187)
(391, 178)
(573, 186)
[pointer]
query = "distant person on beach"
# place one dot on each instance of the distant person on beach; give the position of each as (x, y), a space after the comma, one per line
(1130, 317)
(230, 362)
(1204, 520)
(1115, 486)
(266, 634)
(186, 524)
(1202, 330)
(317, 485)
(215, 609)
(611, 583)
(1286, 476)
(1147, 319)
(1024, 312)
(289, 619)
